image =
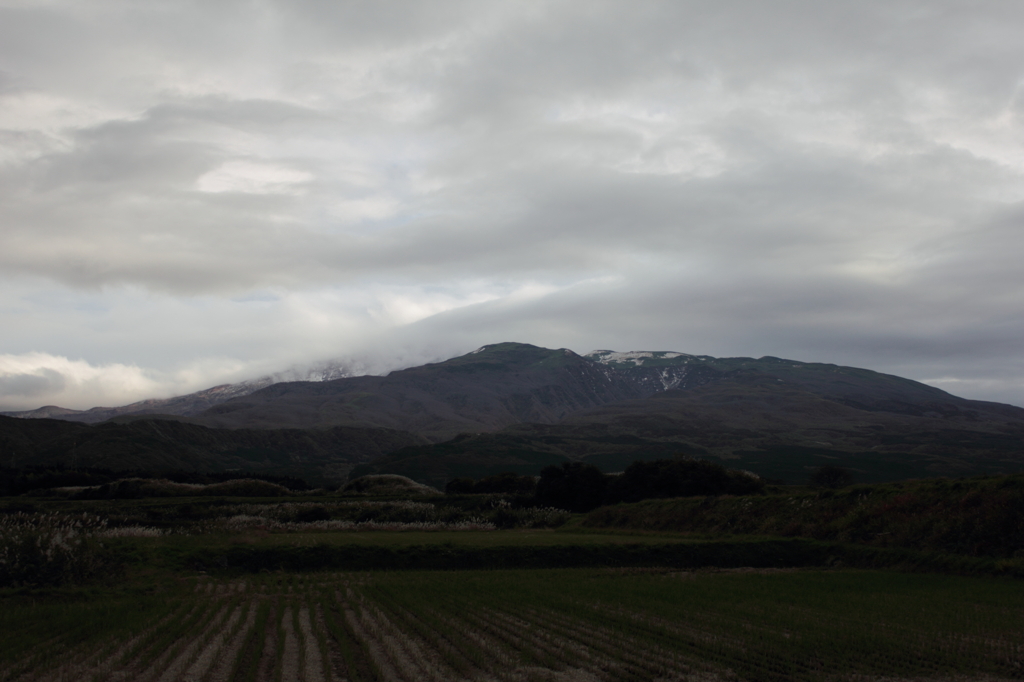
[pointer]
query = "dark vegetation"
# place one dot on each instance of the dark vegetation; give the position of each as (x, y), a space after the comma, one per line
(831, 476)
(965, 525)
(721, 554)
(583, 623)
(319, 456)
(970, 517)
(581, 487)
(575, 486)
(472, 456)
(680, 478)
(764, 578)
(506, 482)
(139, 488)
(29, 478)
(386, 484)
(50, 549)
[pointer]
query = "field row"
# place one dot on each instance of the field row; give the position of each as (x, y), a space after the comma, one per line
(553, 625)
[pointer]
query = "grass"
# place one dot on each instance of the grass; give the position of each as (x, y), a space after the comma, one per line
(515, 538)
(798, 625)
(616, 602)
(36, 624)
(614, 623)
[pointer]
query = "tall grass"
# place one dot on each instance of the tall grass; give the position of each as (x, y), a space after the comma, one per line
(51, 549)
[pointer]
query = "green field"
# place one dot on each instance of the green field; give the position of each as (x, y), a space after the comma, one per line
(579, 624)
(508, 538)
(794, 585)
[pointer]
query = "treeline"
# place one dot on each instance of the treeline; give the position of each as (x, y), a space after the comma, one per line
(27, 479)
(581, 487)
(981, 516)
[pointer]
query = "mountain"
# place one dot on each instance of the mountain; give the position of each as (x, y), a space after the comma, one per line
(778, 418)
(492, 387)
(185, 405)
(179, 406)
(518, 407)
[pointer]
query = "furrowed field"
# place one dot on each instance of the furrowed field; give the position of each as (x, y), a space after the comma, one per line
(548, 624)
(322, 588)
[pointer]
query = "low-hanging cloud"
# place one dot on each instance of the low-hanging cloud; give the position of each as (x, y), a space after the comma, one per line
(43, 379)
(215, 192)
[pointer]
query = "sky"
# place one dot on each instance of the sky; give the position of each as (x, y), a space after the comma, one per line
(195, 193)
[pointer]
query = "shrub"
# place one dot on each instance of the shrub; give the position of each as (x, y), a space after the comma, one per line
(138, 488)
(386, 484)
(576, 486)
(831, 476)
(311, 514)
(680, 478)
(459, 486)
(528, 517)
(247, 487)
(504, 483)
(51, 549)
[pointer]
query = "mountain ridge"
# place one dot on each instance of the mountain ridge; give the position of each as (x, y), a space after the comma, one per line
(512, 406)
(650, 371)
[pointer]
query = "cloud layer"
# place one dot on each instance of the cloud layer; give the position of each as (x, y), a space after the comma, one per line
(197, 192)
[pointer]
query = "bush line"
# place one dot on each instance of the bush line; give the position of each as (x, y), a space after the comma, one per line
(768, 553)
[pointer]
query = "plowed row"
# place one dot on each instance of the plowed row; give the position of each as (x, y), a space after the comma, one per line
(324, 628)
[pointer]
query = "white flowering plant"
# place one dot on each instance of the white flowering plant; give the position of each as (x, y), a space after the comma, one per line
(53, 549)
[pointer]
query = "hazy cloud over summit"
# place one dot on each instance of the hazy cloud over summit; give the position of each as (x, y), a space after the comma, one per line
(193, 193)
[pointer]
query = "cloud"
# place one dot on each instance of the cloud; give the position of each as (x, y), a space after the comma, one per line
(47, 379)
(252, 178)
(210, 190)
(43, 382)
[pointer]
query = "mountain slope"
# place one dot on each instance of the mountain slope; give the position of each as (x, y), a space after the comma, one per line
(488, 389)
(157, 445)
(184, 405)
(778, 418)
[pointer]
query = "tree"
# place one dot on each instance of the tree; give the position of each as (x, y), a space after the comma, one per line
(508, 483)
(831, 476)
(575, 486)
(680, 478)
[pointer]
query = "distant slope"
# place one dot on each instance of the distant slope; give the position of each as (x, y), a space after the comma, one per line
(183, 405)
(157, 445)
(488, 389)
(778, 418)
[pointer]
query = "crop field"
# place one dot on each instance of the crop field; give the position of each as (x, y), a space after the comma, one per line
(562, 624)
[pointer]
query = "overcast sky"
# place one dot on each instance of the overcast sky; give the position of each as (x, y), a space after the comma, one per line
(196, 193)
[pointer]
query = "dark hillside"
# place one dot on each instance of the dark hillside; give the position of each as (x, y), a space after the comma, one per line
(466, 456)
(519, 407)
(780, 428)
(498, 385)
(155, 445)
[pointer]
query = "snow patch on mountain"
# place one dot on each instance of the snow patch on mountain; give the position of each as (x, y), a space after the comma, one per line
(633, 357)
